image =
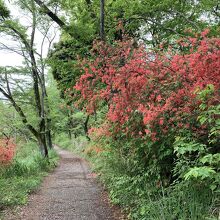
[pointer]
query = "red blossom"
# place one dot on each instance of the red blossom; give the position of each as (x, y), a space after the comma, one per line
(162, 88)
(7, 151)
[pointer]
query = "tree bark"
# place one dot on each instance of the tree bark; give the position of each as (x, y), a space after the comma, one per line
(70, 125)
(86, 127)
(48, 134)
(43, 146)
(38, 82)
(102, 20)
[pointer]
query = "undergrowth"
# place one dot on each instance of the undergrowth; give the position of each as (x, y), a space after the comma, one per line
(145, 200)
(24, 174)
(74, 144)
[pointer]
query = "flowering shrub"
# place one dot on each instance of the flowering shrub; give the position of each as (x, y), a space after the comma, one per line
(159, 88)
(102, 131)
(7, 151)
(151, 97)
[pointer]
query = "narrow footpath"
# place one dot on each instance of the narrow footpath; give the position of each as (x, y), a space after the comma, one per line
(71, 192)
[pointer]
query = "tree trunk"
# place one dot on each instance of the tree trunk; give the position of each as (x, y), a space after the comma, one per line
(69, 125)
(43, 146)
(86, 127)
(53, 16)
(43, 136)
(49, 139)
(102, 20)
(69, 134)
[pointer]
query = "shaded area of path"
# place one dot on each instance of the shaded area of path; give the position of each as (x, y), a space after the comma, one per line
(69, 193)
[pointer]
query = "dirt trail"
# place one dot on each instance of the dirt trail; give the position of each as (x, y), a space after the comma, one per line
(69, 193)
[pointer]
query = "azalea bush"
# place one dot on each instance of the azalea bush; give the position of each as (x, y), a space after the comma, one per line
(7, 151)
(160, 88)
(150, 95)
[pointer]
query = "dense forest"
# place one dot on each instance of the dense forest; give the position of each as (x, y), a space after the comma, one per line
(132, 86)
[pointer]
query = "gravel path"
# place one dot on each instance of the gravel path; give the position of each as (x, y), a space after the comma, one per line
(69, 193)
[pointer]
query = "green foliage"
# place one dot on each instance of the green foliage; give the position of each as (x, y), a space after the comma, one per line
(152, 21)
(24, 175)
(182, 202)
(10, 123)
(14, 190)
(4, 12)
(63, 141)
(197, 158)
(58, 112)
(64, 118)
(77, 120)
(77, 144)
(145, 199)
(200, 172)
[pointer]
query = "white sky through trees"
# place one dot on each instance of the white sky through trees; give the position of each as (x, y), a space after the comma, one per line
(10, 58)
(13, 59)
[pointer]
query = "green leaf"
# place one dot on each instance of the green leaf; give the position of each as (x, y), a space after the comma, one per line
(200, 172)
(211, 159)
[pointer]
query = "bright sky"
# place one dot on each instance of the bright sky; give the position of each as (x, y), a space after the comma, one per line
(8, 58)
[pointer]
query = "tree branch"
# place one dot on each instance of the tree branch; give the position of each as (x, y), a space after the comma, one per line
(52, 15)
(20, 112)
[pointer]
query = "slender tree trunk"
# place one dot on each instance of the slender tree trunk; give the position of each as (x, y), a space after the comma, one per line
(39, 84)
(86, 127)
(102, 20)
(43, 146)
(46, 107)
(70, 125)
(48, 135)
(69, 134)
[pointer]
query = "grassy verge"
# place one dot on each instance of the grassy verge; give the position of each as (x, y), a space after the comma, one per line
(135, 193)
(24, 175)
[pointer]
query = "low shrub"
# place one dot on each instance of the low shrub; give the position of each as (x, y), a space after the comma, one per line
(7, 151)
